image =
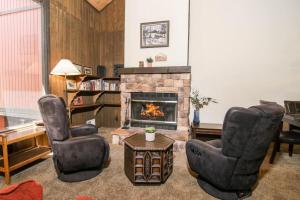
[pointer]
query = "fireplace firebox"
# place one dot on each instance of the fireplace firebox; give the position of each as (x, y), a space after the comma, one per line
(154, 109)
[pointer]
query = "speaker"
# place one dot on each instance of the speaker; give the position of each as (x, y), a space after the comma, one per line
(101, 71)
(117, 69)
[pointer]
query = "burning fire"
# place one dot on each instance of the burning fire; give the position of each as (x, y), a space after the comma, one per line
(152, 111)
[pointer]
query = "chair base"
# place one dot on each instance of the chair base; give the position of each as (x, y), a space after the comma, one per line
(78, 176)
(224, 195)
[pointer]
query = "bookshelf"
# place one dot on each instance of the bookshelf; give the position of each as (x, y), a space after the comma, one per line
(89, 96)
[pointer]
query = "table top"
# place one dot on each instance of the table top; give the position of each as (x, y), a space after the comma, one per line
(22, 134)
(138, 142)
(208, 126)
(293, 119)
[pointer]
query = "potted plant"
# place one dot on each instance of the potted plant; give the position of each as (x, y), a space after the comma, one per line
(199, 102)
(150, 134)
(149, 62)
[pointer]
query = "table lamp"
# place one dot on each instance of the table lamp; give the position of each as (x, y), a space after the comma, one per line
(65, 68)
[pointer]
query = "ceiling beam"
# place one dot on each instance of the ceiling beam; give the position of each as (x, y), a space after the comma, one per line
(99, 4)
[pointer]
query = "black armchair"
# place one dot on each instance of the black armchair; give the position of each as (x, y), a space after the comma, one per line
(228, 168)
(78, 153)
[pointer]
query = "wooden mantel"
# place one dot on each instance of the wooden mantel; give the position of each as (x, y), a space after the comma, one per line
(99, 4)
(156, 70)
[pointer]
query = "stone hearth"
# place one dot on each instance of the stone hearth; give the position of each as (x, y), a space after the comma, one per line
(159, 80)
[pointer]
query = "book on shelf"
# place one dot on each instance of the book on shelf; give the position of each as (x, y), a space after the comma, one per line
(99, 84)
(85, 85)
(112, 87)
(105, 85)
(92, 85)
(96, 84)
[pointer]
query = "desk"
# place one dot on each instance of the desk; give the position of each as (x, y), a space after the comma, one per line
(9, 163)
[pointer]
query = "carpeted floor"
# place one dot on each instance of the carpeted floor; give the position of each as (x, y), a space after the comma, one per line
(278, 181)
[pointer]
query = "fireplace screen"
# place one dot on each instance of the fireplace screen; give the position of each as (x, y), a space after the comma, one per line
(154, 109)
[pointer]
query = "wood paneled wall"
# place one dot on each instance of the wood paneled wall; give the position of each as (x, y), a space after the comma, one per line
(85, 36)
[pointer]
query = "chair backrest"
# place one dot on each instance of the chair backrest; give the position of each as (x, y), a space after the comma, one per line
(54, 115)
(247, 134)
(266, 102)
(292, 107)
(277, 134)
(238, 126)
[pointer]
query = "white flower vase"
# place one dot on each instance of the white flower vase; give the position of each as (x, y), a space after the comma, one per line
(150, 137)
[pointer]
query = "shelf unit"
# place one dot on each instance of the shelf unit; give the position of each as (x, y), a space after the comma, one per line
(94, 101)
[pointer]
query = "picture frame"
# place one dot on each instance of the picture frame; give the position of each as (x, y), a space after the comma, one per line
(154, 34)
(87, 70)
(79, 67)
(71, 85)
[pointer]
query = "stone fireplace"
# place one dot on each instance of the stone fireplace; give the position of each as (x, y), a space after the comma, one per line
(156, 96)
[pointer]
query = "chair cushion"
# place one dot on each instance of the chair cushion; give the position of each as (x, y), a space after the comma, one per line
(216, 143)
(80, 153)
(83, 130)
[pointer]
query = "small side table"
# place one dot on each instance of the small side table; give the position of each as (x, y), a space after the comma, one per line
(9, 163)
(148, 162)
(206, 131)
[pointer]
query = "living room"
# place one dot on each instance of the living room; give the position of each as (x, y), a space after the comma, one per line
(169, 99)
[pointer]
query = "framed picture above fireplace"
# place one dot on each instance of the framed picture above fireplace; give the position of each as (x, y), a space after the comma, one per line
(155, 34)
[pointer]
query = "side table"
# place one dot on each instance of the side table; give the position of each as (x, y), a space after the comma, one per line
(148, 162)
(9, 163)
(206, 131)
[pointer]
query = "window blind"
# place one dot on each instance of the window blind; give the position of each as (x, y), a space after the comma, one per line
(20, 61)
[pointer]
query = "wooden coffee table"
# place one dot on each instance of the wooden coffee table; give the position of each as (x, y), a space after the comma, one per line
(148, 162)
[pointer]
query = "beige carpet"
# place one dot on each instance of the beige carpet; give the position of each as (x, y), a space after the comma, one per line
(279, 181)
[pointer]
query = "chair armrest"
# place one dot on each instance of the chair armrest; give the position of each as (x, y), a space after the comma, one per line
(209, 162)
(83, 130)
(215, 143)
(83, 152)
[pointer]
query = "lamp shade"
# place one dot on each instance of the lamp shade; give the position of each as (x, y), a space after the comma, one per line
(65, 67)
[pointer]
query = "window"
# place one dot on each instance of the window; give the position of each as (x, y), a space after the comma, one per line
(21, 80)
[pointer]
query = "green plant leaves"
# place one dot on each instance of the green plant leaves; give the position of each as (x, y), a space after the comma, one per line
(200, 101)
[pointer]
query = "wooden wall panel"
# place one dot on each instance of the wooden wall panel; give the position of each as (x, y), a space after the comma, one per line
(109, 117)
(80, 117)
(87, 37)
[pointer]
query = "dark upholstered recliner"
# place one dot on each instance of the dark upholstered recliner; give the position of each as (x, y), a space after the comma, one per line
(228, 168)
(78, 153)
